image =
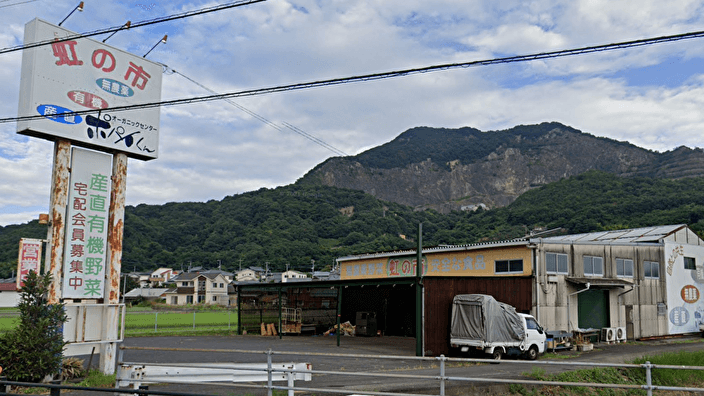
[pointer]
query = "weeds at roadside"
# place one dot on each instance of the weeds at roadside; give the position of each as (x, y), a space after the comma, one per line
(561, 356)
(96, 379)
(621, 376)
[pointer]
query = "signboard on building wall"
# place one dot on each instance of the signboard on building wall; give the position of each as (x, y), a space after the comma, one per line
(383, 267)
(87, 225)
(684, 272)
(29, 258)
(83, 74)
(479, 262)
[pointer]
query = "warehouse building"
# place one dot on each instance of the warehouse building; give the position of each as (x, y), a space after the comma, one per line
(637, 283)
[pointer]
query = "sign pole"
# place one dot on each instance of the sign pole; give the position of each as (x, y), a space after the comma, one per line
(57, 217)
(116, 227)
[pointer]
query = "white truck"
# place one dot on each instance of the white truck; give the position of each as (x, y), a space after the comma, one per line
(479, 322)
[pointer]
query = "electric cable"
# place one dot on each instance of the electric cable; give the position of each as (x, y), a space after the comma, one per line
(167, 18)
(262, 119)
(14, 4)
(383, 75)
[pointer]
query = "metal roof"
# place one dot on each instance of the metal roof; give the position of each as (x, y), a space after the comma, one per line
(653, 234)
(439, 249)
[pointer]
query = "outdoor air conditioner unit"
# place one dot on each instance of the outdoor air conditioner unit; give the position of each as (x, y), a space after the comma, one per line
(608, 334)
(621, 334)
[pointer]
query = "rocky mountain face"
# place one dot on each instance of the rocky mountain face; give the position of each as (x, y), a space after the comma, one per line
(460, 169)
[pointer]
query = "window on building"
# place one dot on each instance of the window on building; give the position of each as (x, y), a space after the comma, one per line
(184, 284)
(624, 268)
(201, 299)
(215, 285)
(189, 299)
(508, 266)
(593, 266)
(689, 263)
(174, 300)
(556, 263)
(222, 285)
(651, 269)
(215, 298)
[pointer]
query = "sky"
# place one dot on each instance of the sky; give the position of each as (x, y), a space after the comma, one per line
(650, 96)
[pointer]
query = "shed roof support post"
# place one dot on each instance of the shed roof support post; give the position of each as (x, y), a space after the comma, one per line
(239, 312)
(339, 312)
(419, 293)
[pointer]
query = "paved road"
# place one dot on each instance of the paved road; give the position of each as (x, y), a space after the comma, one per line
(377, 346)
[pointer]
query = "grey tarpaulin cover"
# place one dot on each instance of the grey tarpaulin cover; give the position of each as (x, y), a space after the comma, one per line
(481, 317)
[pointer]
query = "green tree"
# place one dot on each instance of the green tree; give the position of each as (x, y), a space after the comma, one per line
(34, 349)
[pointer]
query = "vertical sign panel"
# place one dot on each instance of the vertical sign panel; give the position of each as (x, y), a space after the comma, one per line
(29, 258)
(70, 75)
(87, 225)
(684, 274)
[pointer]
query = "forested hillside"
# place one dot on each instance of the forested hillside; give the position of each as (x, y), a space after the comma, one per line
(296, 224)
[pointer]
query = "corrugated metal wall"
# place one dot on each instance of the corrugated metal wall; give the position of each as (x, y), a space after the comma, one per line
(439, 292)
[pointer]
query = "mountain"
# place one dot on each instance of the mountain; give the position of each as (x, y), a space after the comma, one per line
(452, 169)
(543, 176)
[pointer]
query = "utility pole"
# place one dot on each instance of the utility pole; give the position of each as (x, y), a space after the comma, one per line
(312, 270)
(240, 263)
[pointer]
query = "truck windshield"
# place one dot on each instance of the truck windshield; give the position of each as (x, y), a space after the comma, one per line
(532, 324)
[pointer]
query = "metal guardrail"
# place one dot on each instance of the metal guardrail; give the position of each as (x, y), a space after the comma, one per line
(441, 378)
(272, 370)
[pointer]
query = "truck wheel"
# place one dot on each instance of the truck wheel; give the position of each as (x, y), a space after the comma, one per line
(496, 355)
(532, 353)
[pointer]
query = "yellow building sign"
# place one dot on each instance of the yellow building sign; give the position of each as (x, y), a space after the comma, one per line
(500, 261)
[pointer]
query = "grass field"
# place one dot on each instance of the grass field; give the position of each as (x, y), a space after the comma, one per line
(145, 321)
(141, 322)
(8, 322)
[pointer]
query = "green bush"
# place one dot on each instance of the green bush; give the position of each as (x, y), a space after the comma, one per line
(33, 350)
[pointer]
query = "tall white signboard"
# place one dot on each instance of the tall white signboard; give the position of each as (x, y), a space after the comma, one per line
(685, 283)
(87, 225)
(83, 74)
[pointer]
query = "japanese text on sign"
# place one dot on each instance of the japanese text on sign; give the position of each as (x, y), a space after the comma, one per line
(29, 258)
(78, 74)
(87, 225)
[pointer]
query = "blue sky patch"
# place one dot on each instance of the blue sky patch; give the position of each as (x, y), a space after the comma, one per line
(670, 73)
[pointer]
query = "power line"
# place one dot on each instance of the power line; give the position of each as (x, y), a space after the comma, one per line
(384, 75)
(313, 138)
(264, 120)
(14, 4)
(167, 18)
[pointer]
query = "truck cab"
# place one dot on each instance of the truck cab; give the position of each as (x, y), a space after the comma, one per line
(535, 337)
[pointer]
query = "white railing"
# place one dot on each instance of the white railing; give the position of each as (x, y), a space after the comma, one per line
(291, 371)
